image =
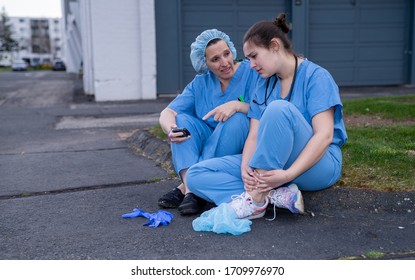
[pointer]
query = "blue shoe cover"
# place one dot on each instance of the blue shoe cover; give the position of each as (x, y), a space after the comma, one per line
(222, 219)
(160, 217)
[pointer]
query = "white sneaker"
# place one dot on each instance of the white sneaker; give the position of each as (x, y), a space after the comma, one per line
(289, 198)
(245, 207)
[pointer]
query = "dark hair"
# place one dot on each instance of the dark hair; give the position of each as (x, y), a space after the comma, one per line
(261, 33)
(213, 41)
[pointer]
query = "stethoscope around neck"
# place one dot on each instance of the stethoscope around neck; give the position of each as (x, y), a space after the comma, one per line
(267, 95)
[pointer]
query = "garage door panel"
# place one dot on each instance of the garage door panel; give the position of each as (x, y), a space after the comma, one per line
(384, 35)
(342, 75)
(380, 53)
(378, 16)
(263, 3)
(331, 35)
(370, 75)
(199, 17)
(246, 18)
(333, 16)
(325, 53)
(211, 4)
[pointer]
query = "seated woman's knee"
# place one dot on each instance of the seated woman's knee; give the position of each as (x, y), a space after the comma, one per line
(237, 121)
(278, 107)
(182, 120)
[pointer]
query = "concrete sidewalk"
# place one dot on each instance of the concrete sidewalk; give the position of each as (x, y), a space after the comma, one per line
(70, 168)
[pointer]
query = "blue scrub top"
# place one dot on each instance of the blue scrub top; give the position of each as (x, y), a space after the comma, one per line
(314, 91)
(204, 93)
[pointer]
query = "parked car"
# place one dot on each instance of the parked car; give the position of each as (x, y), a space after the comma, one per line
(59, 65)
(19, 65)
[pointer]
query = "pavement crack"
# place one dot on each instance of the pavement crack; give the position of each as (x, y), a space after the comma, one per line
(60, 152)
(79, 189)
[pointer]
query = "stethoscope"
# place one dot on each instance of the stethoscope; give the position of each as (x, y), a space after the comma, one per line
(267, 95)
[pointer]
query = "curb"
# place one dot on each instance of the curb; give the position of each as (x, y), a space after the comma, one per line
(147, 145)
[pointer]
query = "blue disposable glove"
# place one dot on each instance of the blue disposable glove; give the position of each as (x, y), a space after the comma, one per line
(136, 213)
(160, 217)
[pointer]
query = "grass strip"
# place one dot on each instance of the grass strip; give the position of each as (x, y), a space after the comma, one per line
(381, 158)
(394, 108)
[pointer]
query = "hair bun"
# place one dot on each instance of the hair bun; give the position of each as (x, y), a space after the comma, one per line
(281, 23)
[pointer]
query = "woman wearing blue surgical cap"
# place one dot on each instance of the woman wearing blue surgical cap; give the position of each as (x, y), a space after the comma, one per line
(295, 137)
(211, 113)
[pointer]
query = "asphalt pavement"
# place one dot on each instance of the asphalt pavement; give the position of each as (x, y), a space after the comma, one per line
(70, 167)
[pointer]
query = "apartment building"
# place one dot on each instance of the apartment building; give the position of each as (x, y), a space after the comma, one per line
(39, 39)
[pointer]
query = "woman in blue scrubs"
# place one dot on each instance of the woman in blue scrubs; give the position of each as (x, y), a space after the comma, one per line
(296, 132)
(212, 108)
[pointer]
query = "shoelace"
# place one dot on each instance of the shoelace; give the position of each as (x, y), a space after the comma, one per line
(275, 215)
(274, 201)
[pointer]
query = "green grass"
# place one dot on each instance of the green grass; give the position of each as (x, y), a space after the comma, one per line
(368, 255)
(374, 255)
(381, 157)
(394, 108)
(380, 255)
(157, 132)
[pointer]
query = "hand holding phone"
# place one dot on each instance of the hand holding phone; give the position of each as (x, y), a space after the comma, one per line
(182, 130)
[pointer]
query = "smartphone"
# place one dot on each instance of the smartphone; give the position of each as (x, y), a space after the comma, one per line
(183, 130)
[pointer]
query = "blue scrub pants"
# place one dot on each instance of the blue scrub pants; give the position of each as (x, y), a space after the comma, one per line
(282, 135)
(227, 138)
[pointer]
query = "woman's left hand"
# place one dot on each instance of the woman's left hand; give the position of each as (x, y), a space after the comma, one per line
(223, 112)
(268, 180)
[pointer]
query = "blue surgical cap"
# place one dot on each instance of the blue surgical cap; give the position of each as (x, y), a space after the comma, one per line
(198, 47)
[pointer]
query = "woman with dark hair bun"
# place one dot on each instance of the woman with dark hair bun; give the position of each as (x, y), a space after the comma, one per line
(296, 132)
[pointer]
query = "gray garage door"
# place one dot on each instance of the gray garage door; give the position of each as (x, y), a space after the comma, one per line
(361, 42)
(178, 22)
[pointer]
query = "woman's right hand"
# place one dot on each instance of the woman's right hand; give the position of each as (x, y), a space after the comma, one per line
(248, 178)
(176, 137)
(223, 112)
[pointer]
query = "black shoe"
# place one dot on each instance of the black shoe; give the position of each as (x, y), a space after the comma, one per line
(191, 204)
(172, 199)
